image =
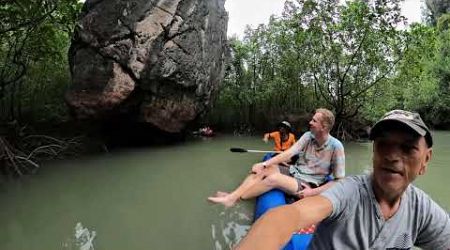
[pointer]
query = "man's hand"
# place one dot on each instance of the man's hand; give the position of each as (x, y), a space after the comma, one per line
(266, 137)
(307, 191)
(258, 167)
(284, 163)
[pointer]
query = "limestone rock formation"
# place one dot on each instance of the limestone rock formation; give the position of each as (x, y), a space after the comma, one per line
(160, 60)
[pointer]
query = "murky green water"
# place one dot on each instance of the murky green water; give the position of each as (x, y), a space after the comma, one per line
(156, 198)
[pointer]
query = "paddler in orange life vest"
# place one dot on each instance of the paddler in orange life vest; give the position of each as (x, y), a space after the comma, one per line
(283, 138)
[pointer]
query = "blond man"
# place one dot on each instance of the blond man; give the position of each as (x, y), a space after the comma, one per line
(320, 155)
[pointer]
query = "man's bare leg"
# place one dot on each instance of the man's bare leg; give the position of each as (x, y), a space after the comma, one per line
(229, 199)
(286, 183)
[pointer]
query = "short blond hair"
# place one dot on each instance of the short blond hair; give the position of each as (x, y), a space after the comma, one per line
(327, 118)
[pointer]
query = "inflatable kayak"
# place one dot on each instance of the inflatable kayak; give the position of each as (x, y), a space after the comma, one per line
(275, 198)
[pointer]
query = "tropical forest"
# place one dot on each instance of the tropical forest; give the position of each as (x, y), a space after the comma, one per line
(358, 59)
(149, 124)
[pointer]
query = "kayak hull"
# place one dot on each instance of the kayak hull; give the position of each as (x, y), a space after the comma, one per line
(275, 198)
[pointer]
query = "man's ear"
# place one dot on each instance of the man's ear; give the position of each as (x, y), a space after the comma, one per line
(427, 159)
(423, 169)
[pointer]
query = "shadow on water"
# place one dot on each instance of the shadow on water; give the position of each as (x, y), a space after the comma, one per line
(119, 134)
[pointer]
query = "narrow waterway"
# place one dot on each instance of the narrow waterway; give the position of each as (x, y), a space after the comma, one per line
(155, 198)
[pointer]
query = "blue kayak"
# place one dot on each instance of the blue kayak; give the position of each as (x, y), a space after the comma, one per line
(275, 198)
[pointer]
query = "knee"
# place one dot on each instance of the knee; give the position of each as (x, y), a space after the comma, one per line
(271, 180)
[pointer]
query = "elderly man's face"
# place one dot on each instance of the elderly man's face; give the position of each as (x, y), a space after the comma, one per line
(398, 157)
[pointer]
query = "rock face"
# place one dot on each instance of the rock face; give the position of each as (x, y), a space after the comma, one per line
(160, 60)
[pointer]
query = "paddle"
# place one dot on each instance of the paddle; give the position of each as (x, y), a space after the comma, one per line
(243, 150)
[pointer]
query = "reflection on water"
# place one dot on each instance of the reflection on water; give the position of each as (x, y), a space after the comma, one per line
(84, 238)
(232, 226)
(155, 198)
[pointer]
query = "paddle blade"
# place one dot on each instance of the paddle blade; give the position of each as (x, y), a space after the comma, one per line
(238, 150)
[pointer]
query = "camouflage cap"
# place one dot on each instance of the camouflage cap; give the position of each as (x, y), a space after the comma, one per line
(410, 119)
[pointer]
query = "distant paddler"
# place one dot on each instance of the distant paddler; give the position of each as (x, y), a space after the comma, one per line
(204, 131)
(283, 137)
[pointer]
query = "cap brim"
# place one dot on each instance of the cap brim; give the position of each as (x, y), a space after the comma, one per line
(284, 124)
(389, 123)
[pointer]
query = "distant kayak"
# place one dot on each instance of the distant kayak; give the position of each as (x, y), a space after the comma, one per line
(206, 131)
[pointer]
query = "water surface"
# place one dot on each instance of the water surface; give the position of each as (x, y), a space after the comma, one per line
(155, 198)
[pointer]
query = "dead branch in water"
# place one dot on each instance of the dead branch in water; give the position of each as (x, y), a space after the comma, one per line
(24, 155)
(9, 155)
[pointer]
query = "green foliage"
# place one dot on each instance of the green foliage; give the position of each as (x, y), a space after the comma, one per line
(413, 85)
(439, 111)
(352, 58)
(415, 81)
(319, 53)
(436, 8)
(263, 76)
(353, 48)
(34, 40)
(423, 77)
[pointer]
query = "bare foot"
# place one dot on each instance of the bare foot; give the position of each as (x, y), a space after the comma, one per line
(221, 194)
(225, 200)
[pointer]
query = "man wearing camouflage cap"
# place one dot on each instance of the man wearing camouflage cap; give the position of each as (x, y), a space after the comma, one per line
(378, 211)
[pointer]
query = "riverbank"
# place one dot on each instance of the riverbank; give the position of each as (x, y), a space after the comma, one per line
(23, 148)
